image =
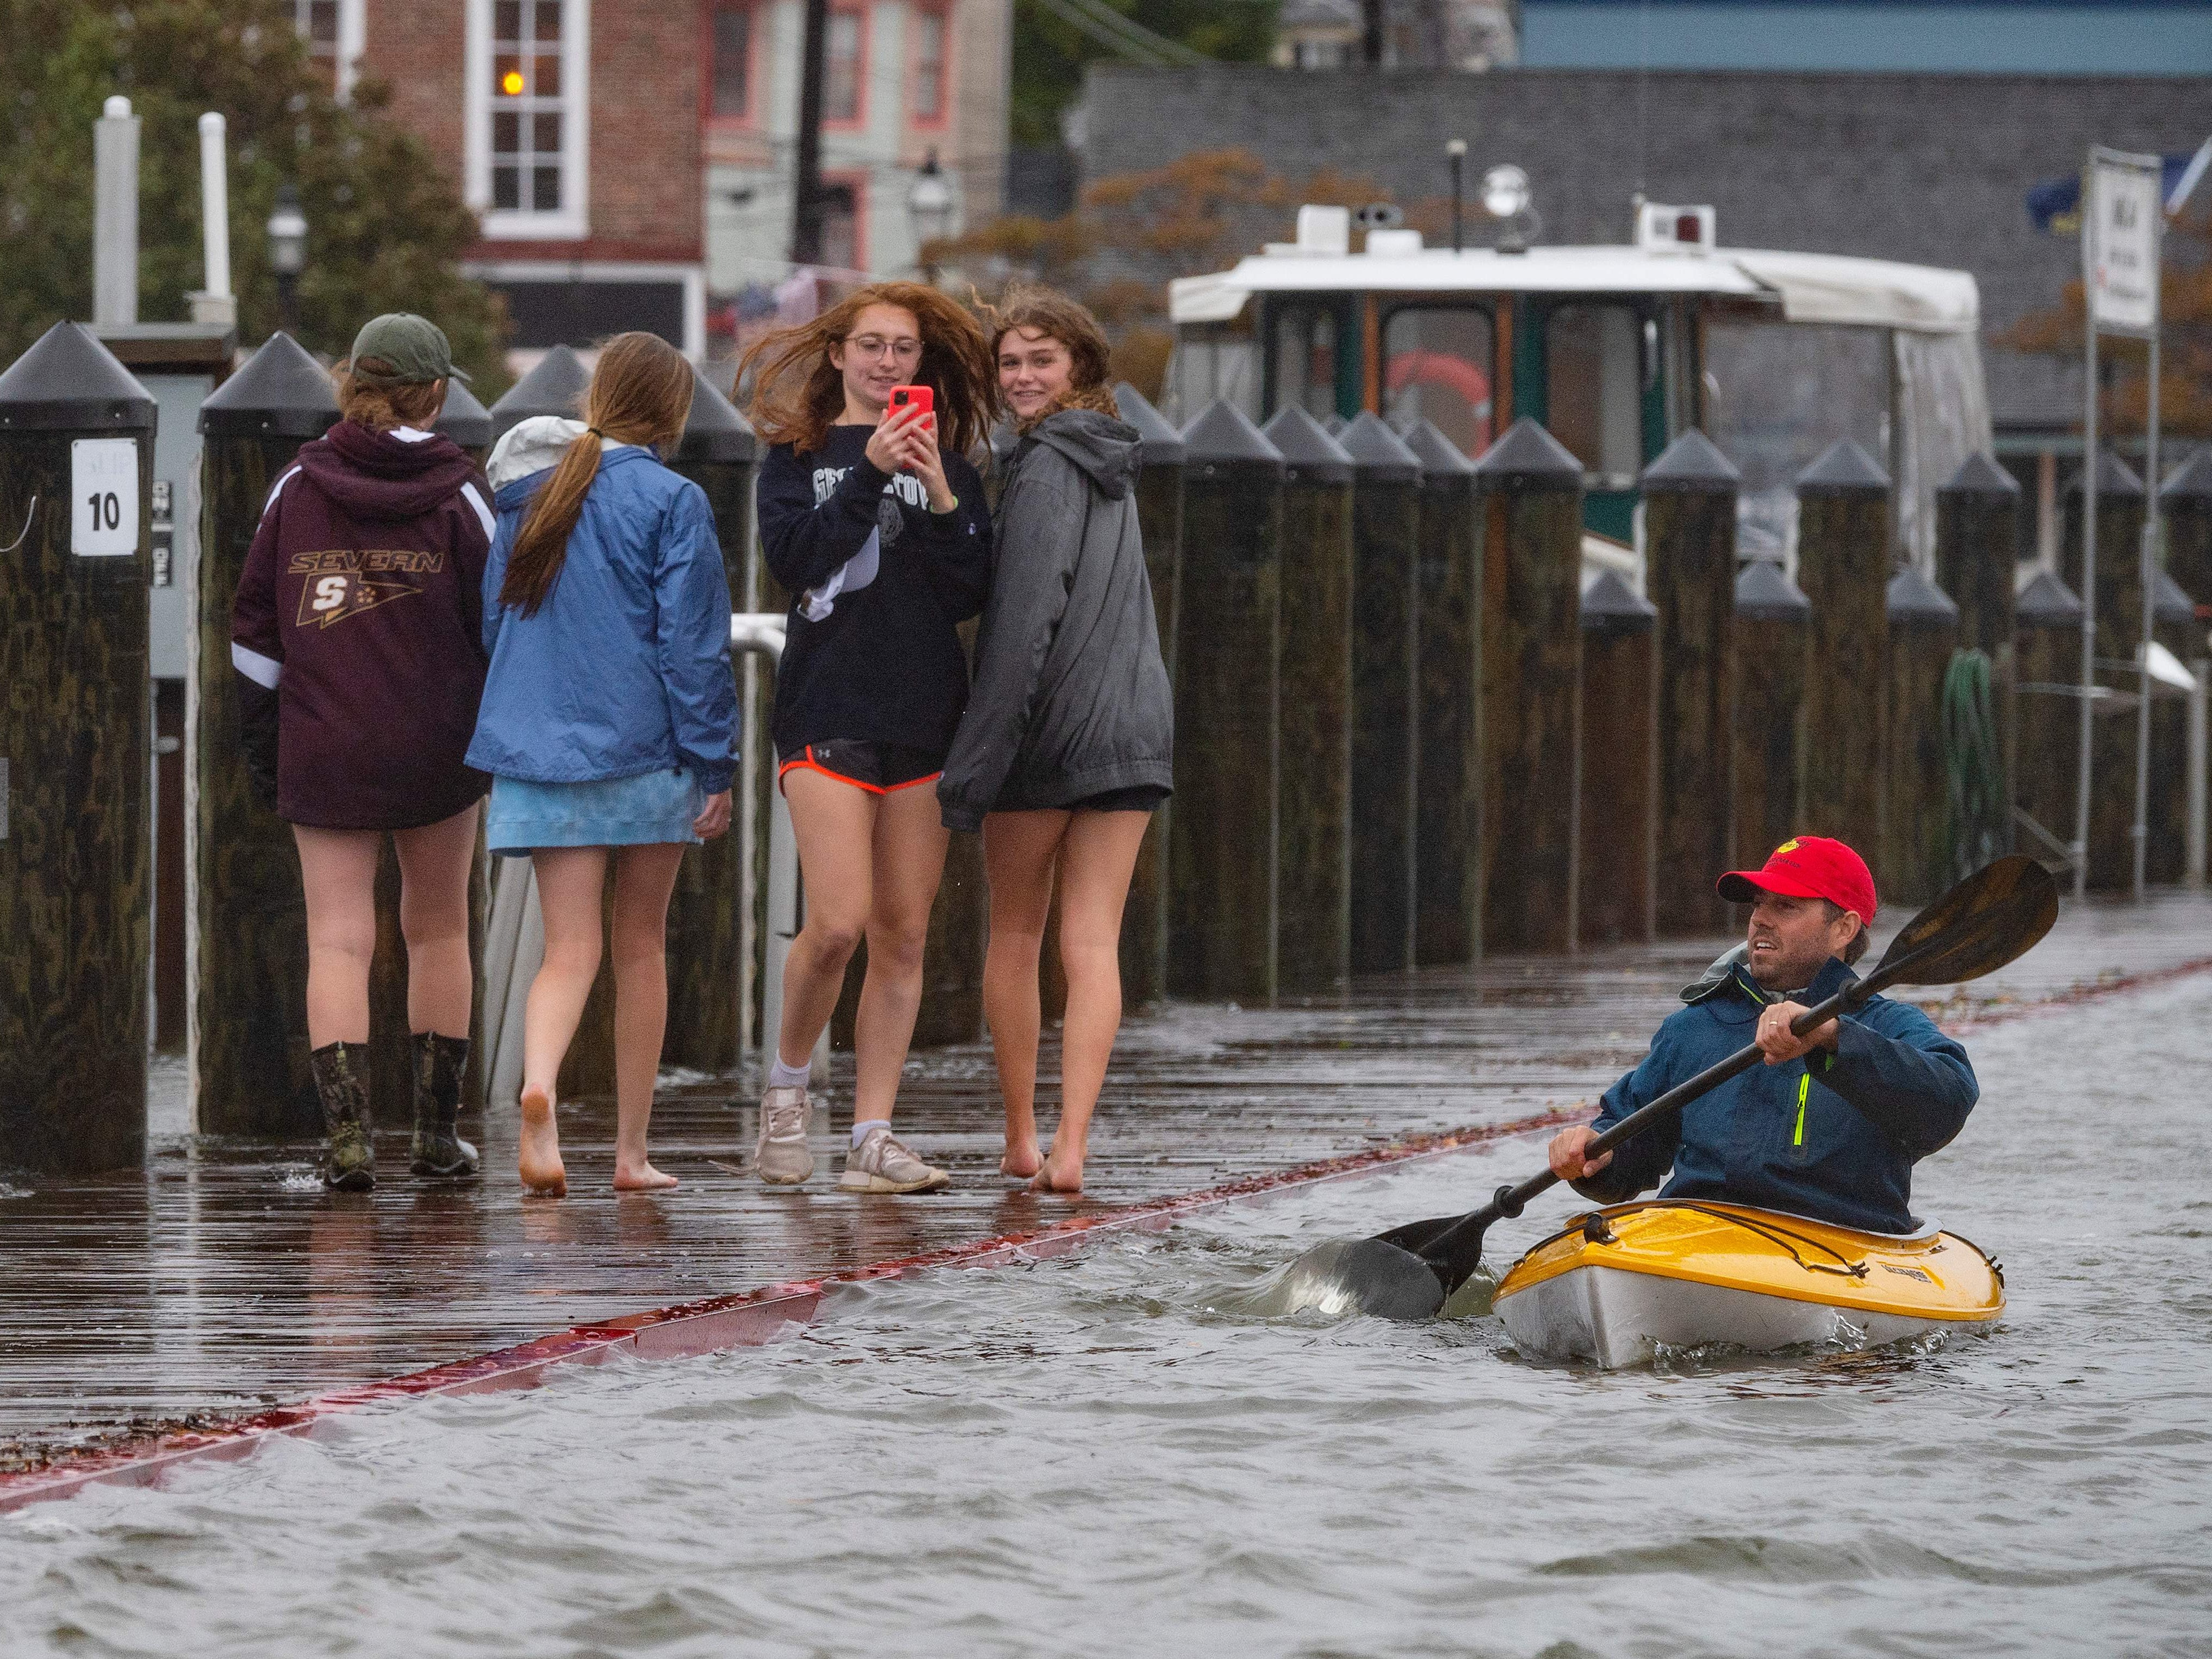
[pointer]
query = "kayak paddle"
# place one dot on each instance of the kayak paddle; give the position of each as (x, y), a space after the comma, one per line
(1987, 920)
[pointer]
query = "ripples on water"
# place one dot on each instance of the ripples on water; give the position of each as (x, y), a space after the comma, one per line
(1096, 1455)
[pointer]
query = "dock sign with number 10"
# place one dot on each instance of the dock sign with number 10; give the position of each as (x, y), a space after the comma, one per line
(104, 497)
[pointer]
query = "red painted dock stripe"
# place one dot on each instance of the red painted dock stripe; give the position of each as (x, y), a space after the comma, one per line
(755, 1316)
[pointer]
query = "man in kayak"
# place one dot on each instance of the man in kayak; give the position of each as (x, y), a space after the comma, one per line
(1831, 1126)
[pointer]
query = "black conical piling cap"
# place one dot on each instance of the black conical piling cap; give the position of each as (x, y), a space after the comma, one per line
(464, 419)
(1440, 458)
(1978, 475)
(1161, 445)
(2046, 602)
(1310, 455)
(282, 392)
(716, 431)
(2191, 480)
(1916, 602)
(1527, 458)
(1763, 593)
(1334, 425)
(1223, 435)
(1842, 469)
(2116, 479)
(1378, 454)
(1692, 465)
(1610, 605)
(556, 386)
(69, 382)
(2172, 607)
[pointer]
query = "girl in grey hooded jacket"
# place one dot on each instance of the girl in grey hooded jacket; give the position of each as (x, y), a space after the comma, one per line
(1067, 744)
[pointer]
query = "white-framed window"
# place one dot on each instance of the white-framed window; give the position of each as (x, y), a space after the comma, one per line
(335, 31)
(527, 111)
(929, 63)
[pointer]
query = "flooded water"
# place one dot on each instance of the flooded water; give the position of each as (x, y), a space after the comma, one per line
(1091, 1456)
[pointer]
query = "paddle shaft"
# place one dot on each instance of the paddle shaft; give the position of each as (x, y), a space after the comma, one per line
(1509, 1200)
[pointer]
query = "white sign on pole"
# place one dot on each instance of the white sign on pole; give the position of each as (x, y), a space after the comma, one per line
(104, 497)
(2119, 246)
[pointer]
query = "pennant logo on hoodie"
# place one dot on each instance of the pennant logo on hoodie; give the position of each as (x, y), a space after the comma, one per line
(336, 588)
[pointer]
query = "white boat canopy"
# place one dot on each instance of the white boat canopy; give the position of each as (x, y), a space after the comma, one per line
(1807, 287)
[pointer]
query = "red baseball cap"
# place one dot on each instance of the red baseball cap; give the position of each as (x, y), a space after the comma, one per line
(1806, 866)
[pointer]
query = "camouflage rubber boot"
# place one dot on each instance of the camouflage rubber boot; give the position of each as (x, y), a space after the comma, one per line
(348, 1158)
(439, 1064)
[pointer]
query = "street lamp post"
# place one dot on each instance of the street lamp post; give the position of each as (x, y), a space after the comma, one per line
(288, 252)
(929, 205)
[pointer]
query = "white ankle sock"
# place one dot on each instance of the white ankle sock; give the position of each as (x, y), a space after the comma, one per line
(860, 1130)
(780, 1075)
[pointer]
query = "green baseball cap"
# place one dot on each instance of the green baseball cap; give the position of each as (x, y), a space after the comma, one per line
(415, 346)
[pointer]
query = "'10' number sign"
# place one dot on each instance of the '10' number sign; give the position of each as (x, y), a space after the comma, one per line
(104, 497)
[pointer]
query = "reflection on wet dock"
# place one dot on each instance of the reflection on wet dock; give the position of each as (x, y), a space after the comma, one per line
(221, 1277)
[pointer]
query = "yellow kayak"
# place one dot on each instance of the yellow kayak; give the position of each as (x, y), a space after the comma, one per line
(1622, 1282)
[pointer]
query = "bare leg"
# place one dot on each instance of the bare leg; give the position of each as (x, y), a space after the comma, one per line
(337, 875)
(909, 861)
(644, 878)
(834, 824)
(1098, 858)
(571, 883)
(433, 916)
(1019, 851)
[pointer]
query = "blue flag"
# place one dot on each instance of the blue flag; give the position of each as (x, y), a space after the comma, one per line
(2055, 204)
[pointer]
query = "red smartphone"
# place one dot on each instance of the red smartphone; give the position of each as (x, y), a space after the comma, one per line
(914, 397)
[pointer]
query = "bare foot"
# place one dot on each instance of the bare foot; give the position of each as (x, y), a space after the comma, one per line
(1022, 1162)
(1059, 1175)
(643, 1178)
(543, 1175)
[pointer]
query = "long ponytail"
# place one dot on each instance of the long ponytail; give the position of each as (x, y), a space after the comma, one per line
(641, 393)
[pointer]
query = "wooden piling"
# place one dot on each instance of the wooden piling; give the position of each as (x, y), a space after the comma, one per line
(249, 1012)
(2120, 637)
(1313, 838)
(1448, 748)
(1221, 846)
(1531, 701)
(1690, 573)
(2047, 662)
(1619, 765)
(76, 745)
(1976, 553)
(1386, 665)
(718, 451)
(1159, 520)
(2174, 625)
(2186, 501)
(1843, 566)
(1773, 630)
(1916, 850)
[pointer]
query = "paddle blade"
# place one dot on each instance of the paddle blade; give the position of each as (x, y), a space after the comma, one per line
(1360, 1276)
(1987, 920)
(1418, 1235)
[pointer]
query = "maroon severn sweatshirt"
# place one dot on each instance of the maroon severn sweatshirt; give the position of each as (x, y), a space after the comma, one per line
(356, 632)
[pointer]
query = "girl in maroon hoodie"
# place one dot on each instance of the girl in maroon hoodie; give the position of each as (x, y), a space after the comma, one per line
(356, 632)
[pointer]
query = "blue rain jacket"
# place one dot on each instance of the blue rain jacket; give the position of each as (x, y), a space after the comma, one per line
(625, 668)
(1832, 1136)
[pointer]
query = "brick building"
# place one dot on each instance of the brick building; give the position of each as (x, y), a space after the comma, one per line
(574, 128)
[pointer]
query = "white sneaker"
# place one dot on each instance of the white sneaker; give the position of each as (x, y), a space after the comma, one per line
(780, 1157)
(880, 1165)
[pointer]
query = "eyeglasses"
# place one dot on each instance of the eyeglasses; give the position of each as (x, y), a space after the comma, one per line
(874, 345)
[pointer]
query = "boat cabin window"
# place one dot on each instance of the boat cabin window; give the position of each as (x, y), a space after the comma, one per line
(1438, 364)
(1306, 360)
(1595, 390)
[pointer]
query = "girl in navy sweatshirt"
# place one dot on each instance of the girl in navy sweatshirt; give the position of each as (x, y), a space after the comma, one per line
(355, 634)
(875, 522)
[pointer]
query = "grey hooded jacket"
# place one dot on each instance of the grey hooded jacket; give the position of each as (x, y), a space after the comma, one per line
(1071, 697)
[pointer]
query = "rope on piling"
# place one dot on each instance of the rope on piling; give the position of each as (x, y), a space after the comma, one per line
(1973, 766)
